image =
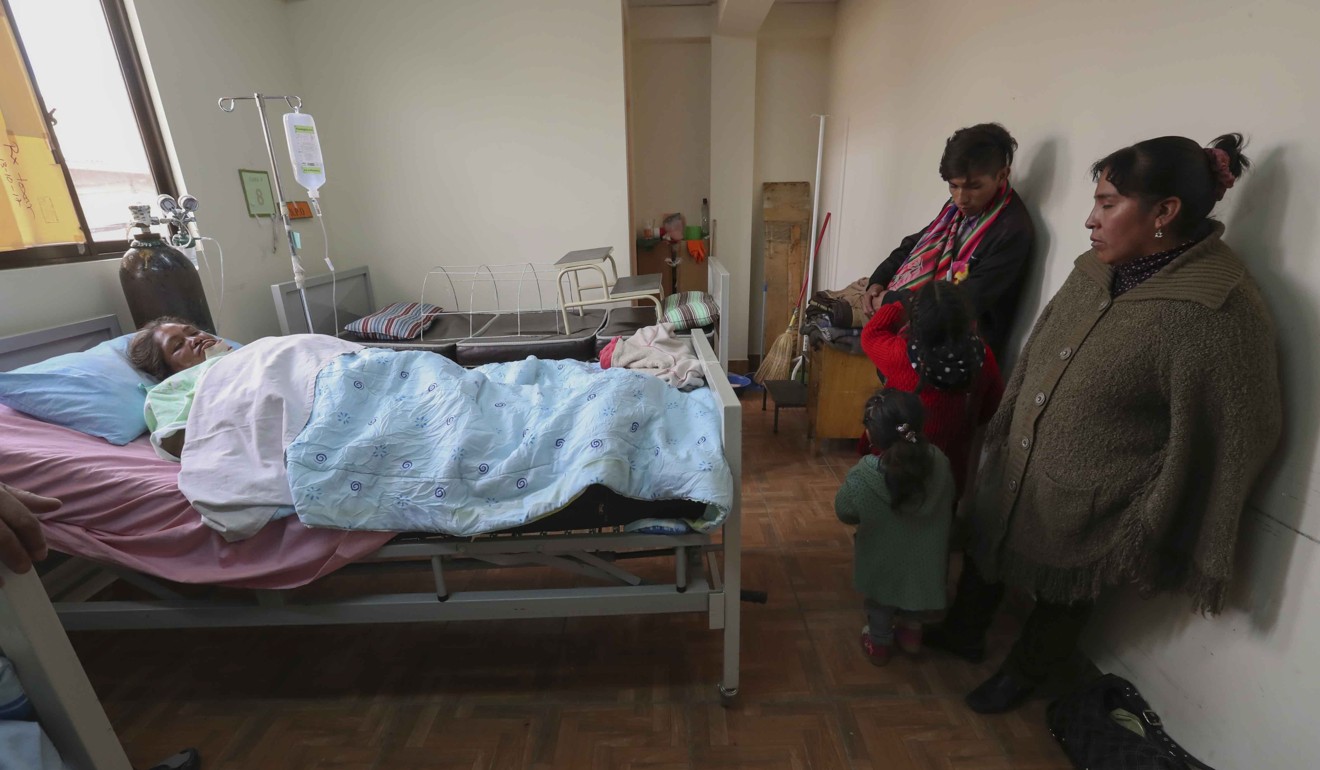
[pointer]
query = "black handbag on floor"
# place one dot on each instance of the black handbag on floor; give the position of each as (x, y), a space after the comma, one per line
(1107, 725)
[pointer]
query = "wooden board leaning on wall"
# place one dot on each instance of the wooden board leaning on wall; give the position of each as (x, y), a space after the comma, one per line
(786, 210)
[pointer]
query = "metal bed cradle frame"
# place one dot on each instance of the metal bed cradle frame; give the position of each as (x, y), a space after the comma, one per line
(706, 569)
(484, 293)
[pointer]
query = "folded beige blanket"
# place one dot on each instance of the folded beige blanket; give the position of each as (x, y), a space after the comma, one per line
(658, 350)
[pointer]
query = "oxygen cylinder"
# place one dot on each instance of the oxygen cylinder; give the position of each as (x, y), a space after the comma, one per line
(159, 280)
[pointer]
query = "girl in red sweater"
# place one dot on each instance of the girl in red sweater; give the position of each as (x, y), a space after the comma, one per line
(926, 343)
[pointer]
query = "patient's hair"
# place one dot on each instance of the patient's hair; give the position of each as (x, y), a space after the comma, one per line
(143, 352)
(1174, 167)
(894, 419)
(981, 149)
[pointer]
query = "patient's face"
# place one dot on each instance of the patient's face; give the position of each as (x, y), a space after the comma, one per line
(183, 346)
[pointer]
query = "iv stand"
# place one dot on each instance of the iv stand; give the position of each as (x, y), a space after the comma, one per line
(227, 104)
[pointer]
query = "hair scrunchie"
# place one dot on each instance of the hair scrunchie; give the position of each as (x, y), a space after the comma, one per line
(1219, 166)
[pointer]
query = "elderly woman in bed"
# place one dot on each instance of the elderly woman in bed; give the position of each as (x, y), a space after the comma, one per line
(366, 438)
(176, 352)
(252, 403)
(169, 345)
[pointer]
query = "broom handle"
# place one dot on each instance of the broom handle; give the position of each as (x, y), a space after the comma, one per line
(802, 294)
(819, 238)
(815, 202)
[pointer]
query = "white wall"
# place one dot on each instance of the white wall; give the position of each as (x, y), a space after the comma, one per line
(732, 122)
(792, 77)
(38, 297)
(1074, 80)
(467, 131)
(455, 133)
(198, 51)
(670, 93)
(766, 88)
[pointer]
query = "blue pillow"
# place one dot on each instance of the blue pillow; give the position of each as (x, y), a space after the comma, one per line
(97, 391)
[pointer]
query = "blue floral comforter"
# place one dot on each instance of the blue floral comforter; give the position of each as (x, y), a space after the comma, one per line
(410, 441)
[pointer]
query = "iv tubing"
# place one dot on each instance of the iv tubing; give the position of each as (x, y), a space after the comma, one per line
(334, 279)
(221, 308)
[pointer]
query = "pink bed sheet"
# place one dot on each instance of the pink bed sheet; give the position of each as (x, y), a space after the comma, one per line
(122, 506)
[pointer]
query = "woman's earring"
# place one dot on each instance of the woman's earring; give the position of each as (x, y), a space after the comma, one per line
(1159, 233)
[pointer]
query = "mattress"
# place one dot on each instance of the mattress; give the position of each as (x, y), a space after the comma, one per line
(539, 333)
(473, 339)
(490, 338)
(122, 507)
(442, 337)
(597, 508)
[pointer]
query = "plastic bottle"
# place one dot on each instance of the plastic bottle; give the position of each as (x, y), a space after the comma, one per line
(13, 701)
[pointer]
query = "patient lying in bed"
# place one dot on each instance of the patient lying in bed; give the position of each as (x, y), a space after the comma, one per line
(367, 438)
(230, 415)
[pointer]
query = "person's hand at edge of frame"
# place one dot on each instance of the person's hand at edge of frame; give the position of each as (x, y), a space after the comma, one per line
(21, 541)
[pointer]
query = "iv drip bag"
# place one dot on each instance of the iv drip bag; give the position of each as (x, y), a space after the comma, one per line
(304, 150)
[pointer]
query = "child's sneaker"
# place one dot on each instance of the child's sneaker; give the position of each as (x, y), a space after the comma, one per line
(878, 654)
(908, 637)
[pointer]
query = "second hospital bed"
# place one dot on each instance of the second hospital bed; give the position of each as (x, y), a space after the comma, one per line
(477, 328)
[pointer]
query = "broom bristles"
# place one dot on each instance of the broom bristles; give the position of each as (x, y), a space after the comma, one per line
(776, 364)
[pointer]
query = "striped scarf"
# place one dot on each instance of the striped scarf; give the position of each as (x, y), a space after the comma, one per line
(938, 254)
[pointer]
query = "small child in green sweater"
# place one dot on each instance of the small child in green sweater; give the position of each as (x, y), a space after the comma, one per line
(902, 504)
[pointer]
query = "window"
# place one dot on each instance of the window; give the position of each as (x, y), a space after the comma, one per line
(82, 143)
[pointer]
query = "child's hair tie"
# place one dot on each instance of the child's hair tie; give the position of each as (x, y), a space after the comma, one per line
(906, 433)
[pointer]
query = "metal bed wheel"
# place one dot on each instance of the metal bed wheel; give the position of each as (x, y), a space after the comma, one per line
(727, 697)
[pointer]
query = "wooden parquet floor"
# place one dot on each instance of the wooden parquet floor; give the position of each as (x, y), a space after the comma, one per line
(627, 692)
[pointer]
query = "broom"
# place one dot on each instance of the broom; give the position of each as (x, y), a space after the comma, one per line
(776, 364)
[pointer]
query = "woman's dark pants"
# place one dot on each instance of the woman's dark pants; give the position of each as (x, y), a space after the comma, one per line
(1048, 638)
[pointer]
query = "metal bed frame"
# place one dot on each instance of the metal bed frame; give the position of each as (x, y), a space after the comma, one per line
(706, 570)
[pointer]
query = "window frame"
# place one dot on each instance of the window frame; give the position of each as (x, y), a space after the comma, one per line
(153, 141)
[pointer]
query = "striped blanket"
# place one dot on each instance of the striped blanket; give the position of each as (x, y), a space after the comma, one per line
(938, 255)
(399, 321)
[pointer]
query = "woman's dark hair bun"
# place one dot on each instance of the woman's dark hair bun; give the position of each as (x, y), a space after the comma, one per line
(1178, 167)
(1232, 145)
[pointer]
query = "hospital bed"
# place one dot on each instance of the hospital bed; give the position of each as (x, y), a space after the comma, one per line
(475, 329)
(587, 540)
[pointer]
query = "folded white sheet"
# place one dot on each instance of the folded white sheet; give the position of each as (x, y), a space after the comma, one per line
(247, 409)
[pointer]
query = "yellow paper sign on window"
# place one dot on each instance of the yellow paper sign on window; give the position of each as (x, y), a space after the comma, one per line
(36, 196)
(36, 208)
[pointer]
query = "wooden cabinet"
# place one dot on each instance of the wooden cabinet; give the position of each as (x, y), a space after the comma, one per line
(838, 386)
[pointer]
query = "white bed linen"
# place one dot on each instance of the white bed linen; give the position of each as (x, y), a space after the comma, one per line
(247, 409)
